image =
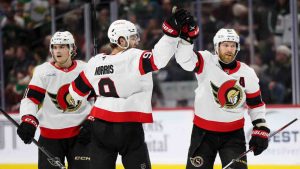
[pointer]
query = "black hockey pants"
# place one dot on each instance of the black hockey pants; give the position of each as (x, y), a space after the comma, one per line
(110, 139)
(206, 144)
(77, 155)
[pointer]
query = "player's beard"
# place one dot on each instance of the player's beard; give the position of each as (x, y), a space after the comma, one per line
(227, 57)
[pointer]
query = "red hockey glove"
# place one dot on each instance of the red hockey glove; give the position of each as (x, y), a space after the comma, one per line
(84, 137)
(260, 139)
(27, 128)
(190, 30)
(173, 24)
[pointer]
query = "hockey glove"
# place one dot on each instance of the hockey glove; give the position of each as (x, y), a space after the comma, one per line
(84, 136)
(260, 139)
(27, 128)
(173, 24)
(190, 30)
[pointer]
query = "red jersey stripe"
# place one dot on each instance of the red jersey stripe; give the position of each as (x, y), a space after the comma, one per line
(218, 126)
(121, 116)
(60, 133)
(252, 95)
(36, 88)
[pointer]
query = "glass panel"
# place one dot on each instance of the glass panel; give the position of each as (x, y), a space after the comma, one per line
(26, 27)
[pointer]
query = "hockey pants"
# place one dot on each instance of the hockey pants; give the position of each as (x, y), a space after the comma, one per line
(206, 144)
(110, 139)
(77, 155)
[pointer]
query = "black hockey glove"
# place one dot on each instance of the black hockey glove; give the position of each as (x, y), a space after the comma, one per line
(190, 30)
(84, 136)
(260, 139)
(173, 24)
(27, 128)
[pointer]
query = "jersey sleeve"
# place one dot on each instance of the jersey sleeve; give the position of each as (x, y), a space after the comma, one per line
(189, 59)
(34, 94)
(81, 87)
(257, 109)
(160, 55)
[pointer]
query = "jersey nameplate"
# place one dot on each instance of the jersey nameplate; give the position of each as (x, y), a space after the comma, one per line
(103, 70)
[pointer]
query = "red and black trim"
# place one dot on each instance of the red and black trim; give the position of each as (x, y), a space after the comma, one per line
(81, 85)
(169, 30)
(60, 133)
(218, 126)
(69, 69)
(146, 63)
(30, 120)
(262, 132)
(200, 64)
(254, 100)
(129, 116)
(35, 94)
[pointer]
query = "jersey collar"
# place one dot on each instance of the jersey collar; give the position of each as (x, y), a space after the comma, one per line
(231, 67)
(72, 67)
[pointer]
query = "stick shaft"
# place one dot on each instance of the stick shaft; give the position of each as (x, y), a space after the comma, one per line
(47, 153)
(251, 148)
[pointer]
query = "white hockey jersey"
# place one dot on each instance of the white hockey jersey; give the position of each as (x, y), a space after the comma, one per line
(123, 82)
(47, 98)
(221, 95)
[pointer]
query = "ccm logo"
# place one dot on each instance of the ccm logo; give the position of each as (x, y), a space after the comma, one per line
(166, 28)
(81, 158)
(29, 120)
(260, 133)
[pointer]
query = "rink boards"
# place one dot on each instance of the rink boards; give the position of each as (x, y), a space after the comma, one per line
(168, 141)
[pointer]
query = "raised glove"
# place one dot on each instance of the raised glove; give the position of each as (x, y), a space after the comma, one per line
(260, 139)
(84, 136)
(190, 30)
(173, 24)
(27, 128)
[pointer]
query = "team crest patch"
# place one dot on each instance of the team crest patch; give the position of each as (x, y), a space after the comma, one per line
(143, 166)
(197, 161)
(228, 95)
(63, 99)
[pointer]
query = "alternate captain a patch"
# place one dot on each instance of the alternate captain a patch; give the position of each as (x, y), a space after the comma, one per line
(228, 95)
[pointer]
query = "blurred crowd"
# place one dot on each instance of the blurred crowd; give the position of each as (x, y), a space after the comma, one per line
(26, 31)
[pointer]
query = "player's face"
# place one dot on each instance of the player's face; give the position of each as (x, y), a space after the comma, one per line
(227, 51)
(134, 41)
(61, 55)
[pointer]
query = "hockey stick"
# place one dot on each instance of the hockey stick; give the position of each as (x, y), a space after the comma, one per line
(251, 149)
(52, 160)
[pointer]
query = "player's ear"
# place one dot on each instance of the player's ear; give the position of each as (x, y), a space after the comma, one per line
(122, 41)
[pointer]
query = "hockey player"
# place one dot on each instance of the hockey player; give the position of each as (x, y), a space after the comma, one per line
(225, 85)
(123, 83)
(48, 104)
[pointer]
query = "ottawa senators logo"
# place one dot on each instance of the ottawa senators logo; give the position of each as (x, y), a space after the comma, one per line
(228, 95)
(197, 161)
(63, 99)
